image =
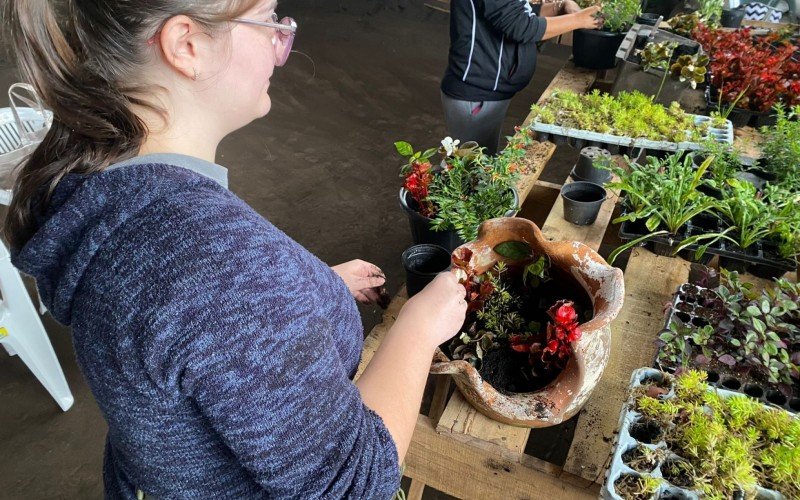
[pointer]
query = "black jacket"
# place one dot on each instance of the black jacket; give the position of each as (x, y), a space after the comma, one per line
(492, 48)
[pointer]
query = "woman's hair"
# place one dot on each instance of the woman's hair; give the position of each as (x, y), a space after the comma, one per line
(83, 57)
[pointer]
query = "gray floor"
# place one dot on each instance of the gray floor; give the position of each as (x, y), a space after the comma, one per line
(321, 166)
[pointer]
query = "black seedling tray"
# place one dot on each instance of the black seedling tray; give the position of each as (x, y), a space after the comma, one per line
(761, 259)
(689, 308)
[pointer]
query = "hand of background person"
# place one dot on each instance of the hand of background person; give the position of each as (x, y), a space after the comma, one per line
(571, 7)
(590, 17)
(365, 281)
(438, 310)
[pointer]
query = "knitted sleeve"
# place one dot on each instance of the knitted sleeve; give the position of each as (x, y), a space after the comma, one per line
(261, 365)
(516, 19)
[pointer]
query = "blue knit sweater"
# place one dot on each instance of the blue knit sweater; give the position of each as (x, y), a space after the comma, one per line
(220, 351)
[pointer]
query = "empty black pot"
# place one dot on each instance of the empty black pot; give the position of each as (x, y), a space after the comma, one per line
(732, 18)
(648, 18)
(595, 49)
(586, 171)
(582, 202)
(422, 264)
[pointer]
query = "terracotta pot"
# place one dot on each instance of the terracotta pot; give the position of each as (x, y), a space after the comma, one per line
(564, 397)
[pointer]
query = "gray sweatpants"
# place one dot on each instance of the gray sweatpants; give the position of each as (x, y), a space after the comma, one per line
(479, 121)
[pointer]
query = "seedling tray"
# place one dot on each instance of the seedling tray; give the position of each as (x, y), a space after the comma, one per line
(626, 440)
(688, 308)
(761, 259)
(618, 144)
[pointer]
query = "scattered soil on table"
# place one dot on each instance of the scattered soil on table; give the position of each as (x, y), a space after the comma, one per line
(640, 459)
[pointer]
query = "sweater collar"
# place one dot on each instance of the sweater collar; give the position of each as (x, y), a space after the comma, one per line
(215, 172)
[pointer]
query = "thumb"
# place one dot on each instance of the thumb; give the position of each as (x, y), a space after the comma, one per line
(363, 282)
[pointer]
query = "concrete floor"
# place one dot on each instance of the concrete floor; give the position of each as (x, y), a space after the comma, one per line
(321, 167)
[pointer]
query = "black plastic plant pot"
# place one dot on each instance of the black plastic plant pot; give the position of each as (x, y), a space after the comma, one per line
(422, 263)
(732, 18)
(582, 202)
(661, 7)
(421, 232)
(648, 18)
(595, 49)
(732, 264)
(766, 271)
(586, 171)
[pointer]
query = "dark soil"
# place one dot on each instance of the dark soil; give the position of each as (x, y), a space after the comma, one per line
(684, 307)
(678, 473)
(628, 487)
(636, 459)
(646, 431)
(511, 372)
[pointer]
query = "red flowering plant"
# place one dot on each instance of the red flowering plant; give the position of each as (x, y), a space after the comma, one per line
(504, 320)
(555, 349)
(417, 175)
(759, 71)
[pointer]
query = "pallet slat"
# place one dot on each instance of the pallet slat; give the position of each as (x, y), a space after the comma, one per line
(650, 281)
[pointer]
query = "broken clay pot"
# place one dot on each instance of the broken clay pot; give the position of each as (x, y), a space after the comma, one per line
(566, 395)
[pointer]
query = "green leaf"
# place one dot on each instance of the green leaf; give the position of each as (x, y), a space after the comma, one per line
(514, 250)
(652, 223)
(404, 148)
(753, 311)
(759, 326)
(667, 337)
(735, 342)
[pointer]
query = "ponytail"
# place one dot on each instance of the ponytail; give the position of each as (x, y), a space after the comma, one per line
(81, 68)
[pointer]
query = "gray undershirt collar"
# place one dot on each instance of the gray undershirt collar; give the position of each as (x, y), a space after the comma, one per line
(215, 172)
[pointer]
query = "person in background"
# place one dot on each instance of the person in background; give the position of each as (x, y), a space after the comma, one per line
(220, 352)
(493, 48)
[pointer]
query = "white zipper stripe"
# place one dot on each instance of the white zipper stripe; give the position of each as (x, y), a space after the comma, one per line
(499, 63)
(472, 47)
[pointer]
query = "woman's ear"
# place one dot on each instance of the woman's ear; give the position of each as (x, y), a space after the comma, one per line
(183, 43)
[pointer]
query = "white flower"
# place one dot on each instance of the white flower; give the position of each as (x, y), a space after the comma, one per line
(450, 146)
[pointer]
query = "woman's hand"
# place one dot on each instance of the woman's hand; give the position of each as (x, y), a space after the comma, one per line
(590, 17)
(438, 311)
(365, 281)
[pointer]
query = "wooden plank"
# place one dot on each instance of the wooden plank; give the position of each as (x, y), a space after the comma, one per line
(416, 490)
(650, 281)
(536, 157)
(440, 393)
(556, 228)
(549, 185)
(464, 423)
(747, 141)
(465, 471)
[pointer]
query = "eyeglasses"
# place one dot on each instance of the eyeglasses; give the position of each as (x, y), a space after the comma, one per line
(286, 29)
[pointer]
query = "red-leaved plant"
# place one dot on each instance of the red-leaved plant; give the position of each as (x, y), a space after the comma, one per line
(760, 69)
(477, 290)
(555, 351)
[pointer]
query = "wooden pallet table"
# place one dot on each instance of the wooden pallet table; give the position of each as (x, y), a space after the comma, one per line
(459, 451)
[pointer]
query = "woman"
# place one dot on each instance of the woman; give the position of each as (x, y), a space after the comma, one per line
(493, 48)
(220, 352)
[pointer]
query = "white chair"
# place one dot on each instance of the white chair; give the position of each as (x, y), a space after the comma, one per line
(22, 333)
(21, 329)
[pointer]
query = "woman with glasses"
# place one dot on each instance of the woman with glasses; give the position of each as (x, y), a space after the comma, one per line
(221, 352)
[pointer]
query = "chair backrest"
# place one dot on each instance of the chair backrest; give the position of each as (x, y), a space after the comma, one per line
(22, 128)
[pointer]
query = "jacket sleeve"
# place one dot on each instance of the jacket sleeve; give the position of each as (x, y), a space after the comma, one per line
(518, 20)
(263, 368)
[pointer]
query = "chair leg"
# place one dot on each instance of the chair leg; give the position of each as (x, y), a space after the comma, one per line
(25, 334)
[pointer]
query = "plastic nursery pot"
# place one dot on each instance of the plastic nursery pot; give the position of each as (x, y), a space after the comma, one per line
(586, 171)
(582, 202)
(648, 18)
(661, 7)
(421, 231)
(422, 264)
(732, 18)
(595, 49)
(565, 396)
